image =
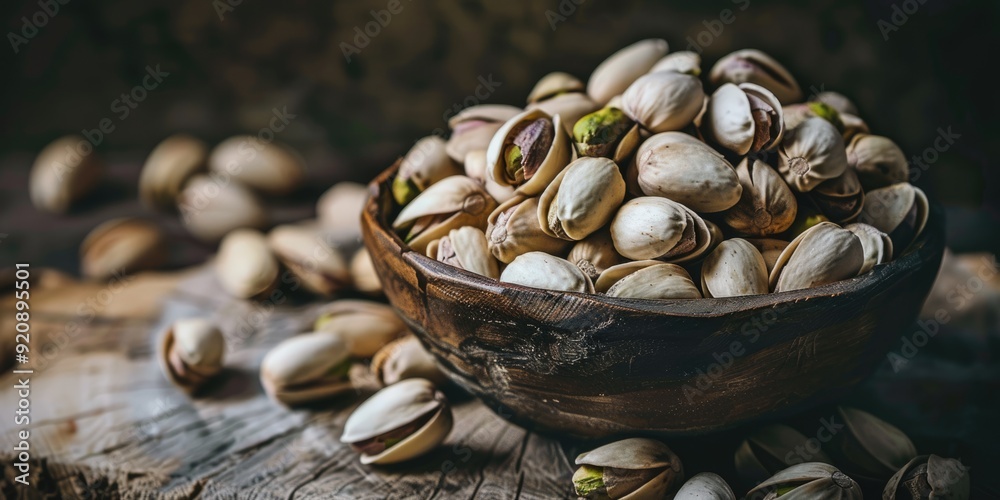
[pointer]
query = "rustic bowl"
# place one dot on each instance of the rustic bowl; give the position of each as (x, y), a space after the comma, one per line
(591, 365)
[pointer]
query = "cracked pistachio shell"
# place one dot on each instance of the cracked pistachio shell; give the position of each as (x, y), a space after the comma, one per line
(684, 61)
(424, 164)
(449, 204)
(191, 352)
(61, 175)
(581, 199)
(570, 107)
(770, 449)
(767, 205)
(171, 163)
(473, 127)
(475, 163)
(405, 358)
(631, 469)
(876, 244)
(607, 132)
(808, 481)
(871, 446)
(612, 274)
(541, 270)
(823, 254)
(123, 245)
(651, 227)
(743, 118)
(339, 210)
(619, 70)
(305, 368)
(811, 153)
(465, 248)
(754, 66)
(266, 167)
(878, 161)
(929, 476)
(677, 166)
(840, 199)
(595, 253)
(514, 230)
(364, 326)
(837, 101)
(899, 210)
(656, 281)
(733, 269)
(705, 486)
(400, 406)
(664, 101)
(210, 210)
(310, 257)
(770, 249)
(363, 273)
(553, 152)
(245, 265)
(853, 126)
(554, 84)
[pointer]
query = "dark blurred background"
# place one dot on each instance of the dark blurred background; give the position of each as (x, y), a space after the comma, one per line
(231, 63)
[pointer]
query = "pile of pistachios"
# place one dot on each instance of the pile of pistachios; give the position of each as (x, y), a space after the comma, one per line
(649, 183)
(779, 461)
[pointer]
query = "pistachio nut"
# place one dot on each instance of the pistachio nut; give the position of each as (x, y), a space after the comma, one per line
(664, 101)
(554, 84)
(837, 101)
(651, 227)
(474, 127)
(191, 352)
(767, 205)
(684, 61)
(122, 245)
(465, 248)
(878, 161)
(795, 114)
(528, 152)
(733, 269)
(769, 450)
(541, 270)
(475, 161)
(310, 257)
(876, 244)
(514, 230)
(363, 273)
(607, 132)
(853, 126)
(619, 70)
(614, 273)
(581, 199)
(339, 210)
(400, 422)
(171, 163)
(61, 175)
(809, 480)
(705, 486)
(930, 477)
(306, 368)
(869, 445)
(364, 326)
(595, 253)
(657, 281)
(744, 118)
(449, 204)
(634, 468)
(405, 358)
(811, 153)
(770, 249)
(267, 167)
(677, 166)
(754, 66)
(426, 163)
(570, 107)
(899, 210)
(823, 254)
(840, 199)
(211, 209)
(245, 265)
(808, 216)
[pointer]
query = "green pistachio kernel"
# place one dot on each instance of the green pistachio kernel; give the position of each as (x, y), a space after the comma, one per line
(513, 161)
(588, 480)
(404, 190)
(826, 112)
(595, 134)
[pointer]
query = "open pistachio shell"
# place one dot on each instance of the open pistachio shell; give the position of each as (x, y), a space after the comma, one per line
(514, 230)
(840, 199)
(607, 132)
(685, 61)
(541, 270)
(878, 161)
(475, 167)
(705, 486)
(465, 248)
(266, 167)
(613, 274)
(876, 244)
(930, 477)
(823, 254)
(770, 249)
(771, 449)
(245, 265)
(405, 358)
(743, 118)
(307, 367)
(449, 204)
(581, 199)
(61, 175)
(899, 210)
(871, 446)
(595, 253)
(659, 281)
(363, 274)
(570, 107)
(733, 269)
(754, 66)
(632, 469)
(424, 164)
(651, 227)
(473, 127)
(125, 244)
(664, 101)
(364, 326)
(808, 481)
(554, 84)
(811, 153)
(191, 352)
(677, 166)
(619, 70)
(528, 152)
(211, 208)
(837, 101)
(171, 163)
(767, 205)
(339, 210)
(303, 250)
(387, 427)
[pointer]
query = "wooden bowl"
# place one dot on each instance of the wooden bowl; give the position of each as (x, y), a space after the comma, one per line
(591, 365)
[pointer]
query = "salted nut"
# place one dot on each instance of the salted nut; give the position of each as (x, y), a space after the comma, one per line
(770, 449)
(870, 446)
(633, 469)
(339, 210)
(664, 101)
(172, 162)
(313, 260)
(682, 168)
(899, 210)
(581, 199)
(744, 118)
(514, 229)
(61, 175)
(876, 245)
(405, 358)
(306, 368)
(210, 209)
(245, 265)
(929, 476)
(684, 61)
(651, 227)
(767, 205)
(595, 253)
(809, 480)
(608, 132)
(473, 127)
(363, 274)
(877, 160)
(823, 254)
(364, 326)
(122, 245)
(426, 163)
(733, 269)
(754, 66)
(541, 270)
(705, 486)
(528, 152)
(648, 279)
(619, 70)
(449, 204)
(267, 167)
(398, 423)
(191, 352)
(811, 153)
(465, 248)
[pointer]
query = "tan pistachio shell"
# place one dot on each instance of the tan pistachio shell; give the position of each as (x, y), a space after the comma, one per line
(363, 273)
(731, 122)
(553, 84)
(122, 245)
(474, 127)
(651, 227)
(822, 254)
(878, 161)
(876, 244)
(767, 205)
(770, 249)
(298, 370)
(61, 175)
(581, 199)
(307, 254)
(612, 274)
(899, 210)
(735, 268)
(595, 253)
(754, 66)
(459, 200)
(658, 282)
(677, 166)
(171, 163)
(245, 265)
(837, 101)
(685, 61)
(664, 101)
(840, 199)
(339, 209)
(475, 162)
(633, 454)
(940, 479)
(514, 229)
(465, 248)
(211, 209)
(705, 486)
(853, 125)
(619, 70)
(267, 167)
(191, 352)
(812, 481)
(811, 153)
(769, 449)
(870, 445)
(394, 407)
(424, 164)
(541, 270)
(559, 154)
(365, 326)
(405, 358)
(570, 107)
